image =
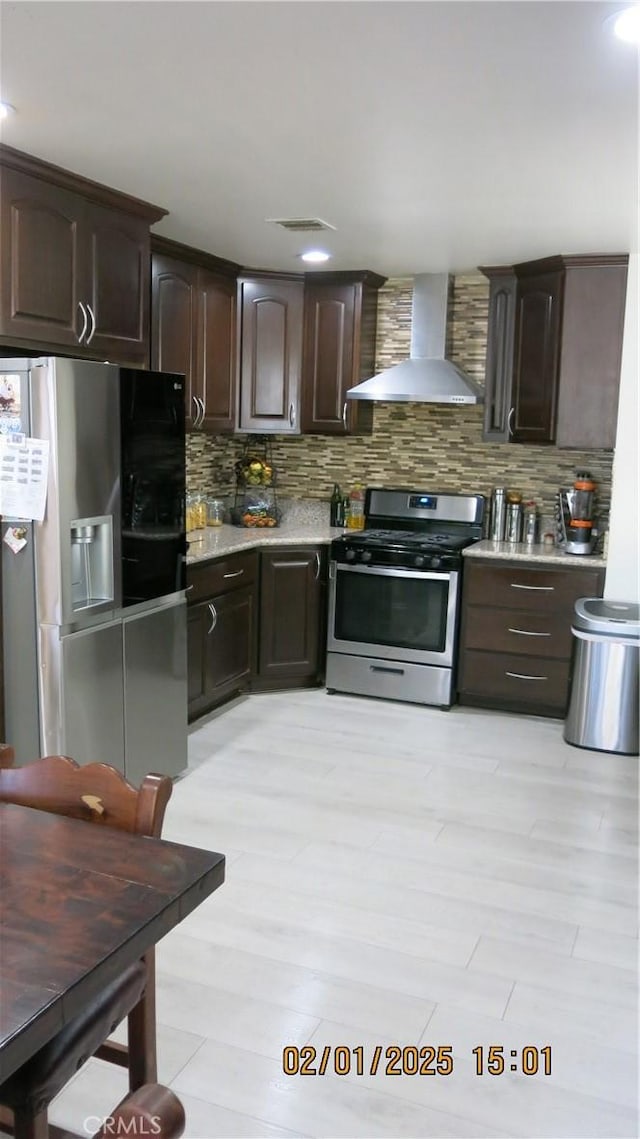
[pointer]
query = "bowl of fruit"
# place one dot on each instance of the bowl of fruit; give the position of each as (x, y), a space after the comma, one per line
(255, 514)
(255, 472)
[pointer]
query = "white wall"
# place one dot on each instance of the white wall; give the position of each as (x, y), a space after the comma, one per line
(623, 564)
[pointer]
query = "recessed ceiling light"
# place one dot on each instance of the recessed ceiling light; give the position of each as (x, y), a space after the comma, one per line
(626, 25)
(315, 255)
(5, 110)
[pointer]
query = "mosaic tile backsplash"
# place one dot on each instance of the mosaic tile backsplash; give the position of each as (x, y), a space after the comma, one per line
(412, 444)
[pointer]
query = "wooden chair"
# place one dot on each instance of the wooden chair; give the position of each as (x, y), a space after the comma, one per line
(100, 795)
(151, 1110)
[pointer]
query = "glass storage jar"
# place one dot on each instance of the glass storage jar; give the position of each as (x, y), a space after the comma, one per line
(215, 512)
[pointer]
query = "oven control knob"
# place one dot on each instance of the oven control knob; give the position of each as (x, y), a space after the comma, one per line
(418, 560)
(365, 556)
(435, 561)
(350, 555)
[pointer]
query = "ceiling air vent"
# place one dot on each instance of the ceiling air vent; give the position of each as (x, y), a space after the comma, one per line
(302, 225)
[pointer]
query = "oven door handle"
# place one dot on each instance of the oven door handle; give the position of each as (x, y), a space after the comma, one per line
(394, 571)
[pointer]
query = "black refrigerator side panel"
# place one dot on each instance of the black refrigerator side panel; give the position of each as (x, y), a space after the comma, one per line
(153, 485)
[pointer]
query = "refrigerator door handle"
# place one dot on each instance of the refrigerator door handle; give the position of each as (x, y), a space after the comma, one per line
(85, 320)
(93, 324)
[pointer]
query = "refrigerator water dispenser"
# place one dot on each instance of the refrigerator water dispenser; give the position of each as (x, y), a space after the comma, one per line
(91, 541)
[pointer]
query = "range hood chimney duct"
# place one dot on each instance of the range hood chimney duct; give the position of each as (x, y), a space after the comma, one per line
(427, 376)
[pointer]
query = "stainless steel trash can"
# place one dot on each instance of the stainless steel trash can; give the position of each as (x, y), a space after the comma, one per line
(603, 705)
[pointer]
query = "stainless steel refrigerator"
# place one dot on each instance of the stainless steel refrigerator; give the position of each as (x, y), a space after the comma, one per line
(94, 604)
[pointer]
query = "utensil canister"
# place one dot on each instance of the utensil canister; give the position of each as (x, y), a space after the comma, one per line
(514, 522)
(498, 514)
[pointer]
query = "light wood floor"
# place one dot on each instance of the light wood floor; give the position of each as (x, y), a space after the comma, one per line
(398, 875)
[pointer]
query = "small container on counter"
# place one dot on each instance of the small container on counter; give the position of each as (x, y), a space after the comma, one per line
(196, 512)
(215, 512)
(513, 530)
(530, 523)
(498, 515)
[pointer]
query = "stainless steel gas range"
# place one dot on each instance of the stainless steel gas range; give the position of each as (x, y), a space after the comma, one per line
(394, 595)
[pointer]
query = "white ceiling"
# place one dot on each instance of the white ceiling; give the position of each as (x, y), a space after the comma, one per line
(433, 135)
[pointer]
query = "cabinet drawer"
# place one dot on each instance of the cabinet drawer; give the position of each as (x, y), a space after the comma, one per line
(504, 676)
(530, 588)
(221, 576)
(519, 631)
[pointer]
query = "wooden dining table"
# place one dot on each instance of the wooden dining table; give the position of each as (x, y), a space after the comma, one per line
(78, 904)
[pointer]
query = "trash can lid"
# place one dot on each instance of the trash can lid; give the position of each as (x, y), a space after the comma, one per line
(616, 618)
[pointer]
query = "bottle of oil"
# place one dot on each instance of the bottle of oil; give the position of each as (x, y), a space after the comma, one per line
(355, 520)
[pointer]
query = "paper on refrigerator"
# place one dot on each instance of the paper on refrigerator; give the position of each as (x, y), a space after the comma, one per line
(24, 466)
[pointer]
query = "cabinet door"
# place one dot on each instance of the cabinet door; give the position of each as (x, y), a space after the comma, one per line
(338, 352)
(271, 354)
(291, 593)
(173, 319)
(215, 350)
(198, 620)
(40, 262)
(499, 359)
(117, 289)
(592, 333)
(536, 358)
(230, 643)
(328, 357)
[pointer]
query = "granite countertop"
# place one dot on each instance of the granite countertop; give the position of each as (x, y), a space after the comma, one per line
(542, 555)
(217, 541)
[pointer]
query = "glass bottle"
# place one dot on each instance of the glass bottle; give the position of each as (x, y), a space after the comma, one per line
(336, 509)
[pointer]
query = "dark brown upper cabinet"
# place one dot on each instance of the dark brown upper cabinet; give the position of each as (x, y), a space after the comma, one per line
(499, 359)
(537, 353)
(340, 313)
(74, 263)
(554, 350)
(271, 310)
(193, 329)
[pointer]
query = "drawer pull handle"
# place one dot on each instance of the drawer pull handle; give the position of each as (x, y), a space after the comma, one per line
(526, 633)
(524, 676)
(237, 573)
(537, 588)
(383, 668)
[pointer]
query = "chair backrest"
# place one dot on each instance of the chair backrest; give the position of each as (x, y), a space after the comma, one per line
(94, 792)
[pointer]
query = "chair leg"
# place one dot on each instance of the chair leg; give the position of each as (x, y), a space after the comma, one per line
(26, 1125)
(141, 1029)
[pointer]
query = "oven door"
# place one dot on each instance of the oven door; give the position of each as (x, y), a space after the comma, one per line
(397, 614)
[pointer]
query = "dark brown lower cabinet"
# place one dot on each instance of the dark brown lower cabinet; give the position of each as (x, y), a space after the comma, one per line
(221, 630)
(291, 631)
(515, 637)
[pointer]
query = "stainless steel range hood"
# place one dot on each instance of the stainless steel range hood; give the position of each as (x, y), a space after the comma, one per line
(427, 377)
